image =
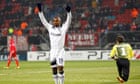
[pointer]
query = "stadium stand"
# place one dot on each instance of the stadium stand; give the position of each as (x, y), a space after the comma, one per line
(95, 22)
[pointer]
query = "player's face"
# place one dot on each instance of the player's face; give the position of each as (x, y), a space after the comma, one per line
(10, 37)
(56, 21)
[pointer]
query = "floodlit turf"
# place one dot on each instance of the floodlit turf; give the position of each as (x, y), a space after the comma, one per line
(80, 72)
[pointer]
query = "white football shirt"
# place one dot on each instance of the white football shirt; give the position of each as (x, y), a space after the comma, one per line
(56, 34)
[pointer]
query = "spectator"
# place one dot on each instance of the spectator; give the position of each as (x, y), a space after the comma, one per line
(36, 10)
(33, 47)
(23, 25)
(133, 27)
(134, 14)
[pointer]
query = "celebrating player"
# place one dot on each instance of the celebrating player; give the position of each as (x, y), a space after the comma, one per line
(12, 52)
(57, 34)
(122, 53)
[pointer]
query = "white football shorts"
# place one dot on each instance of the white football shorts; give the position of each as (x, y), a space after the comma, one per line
(57, 57)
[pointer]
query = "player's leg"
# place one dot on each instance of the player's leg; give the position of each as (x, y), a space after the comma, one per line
(61, 74)
(16, 60)
(54, 71)
(9, 59)
(125, 69)
(119, 66)
(60, 63)
(54, 67)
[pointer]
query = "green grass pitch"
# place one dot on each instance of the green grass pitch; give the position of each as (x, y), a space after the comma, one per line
(76, 72)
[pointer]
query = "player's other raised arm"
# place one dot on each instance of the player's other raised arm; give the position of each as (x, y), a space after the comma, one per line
(69, 17)
(42, 17)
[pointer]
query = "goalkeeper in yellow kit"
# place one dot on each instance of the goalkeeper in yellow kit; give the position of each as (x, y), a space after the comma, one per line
(122, 52)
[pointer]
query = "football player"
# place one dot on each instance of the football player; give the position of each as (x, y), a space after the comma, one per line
(57, 33)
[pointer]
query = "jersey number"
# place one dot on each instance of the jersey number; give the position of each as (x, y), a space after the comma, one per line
(60, 60)
(122, 51)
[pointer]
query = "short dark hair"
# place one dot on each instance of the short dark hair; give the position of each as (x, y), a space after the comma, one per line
(120, 38)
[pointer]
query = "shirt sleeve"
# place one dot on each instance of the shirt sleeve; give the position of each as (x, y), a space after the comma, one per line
(131, 54)
(67, 22)
(43, 20)
(113, 52)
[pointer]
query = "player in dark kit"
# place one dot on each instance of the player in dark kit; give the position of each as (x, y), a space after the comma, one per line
(122, 52)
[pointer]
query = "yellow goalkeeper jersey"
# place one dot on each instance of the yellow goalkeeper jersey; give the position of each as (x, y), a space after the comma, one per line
(122, 50)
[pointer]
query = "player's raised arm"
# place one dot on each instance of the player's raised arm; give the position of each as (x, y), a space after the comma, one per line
(42, 17)
(69, 17)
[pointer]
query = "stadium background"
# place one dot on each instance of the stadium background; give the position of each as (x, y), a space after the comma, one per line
(91, 35)
(95, 24)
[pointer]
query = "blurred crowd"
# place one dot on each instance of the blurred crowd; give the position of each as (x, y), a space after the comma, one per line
(98, 16)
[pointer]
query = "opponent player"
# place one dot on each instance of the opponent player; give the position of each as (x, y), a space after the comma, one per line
(57, 34)
(122, 53)
(12, 53)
